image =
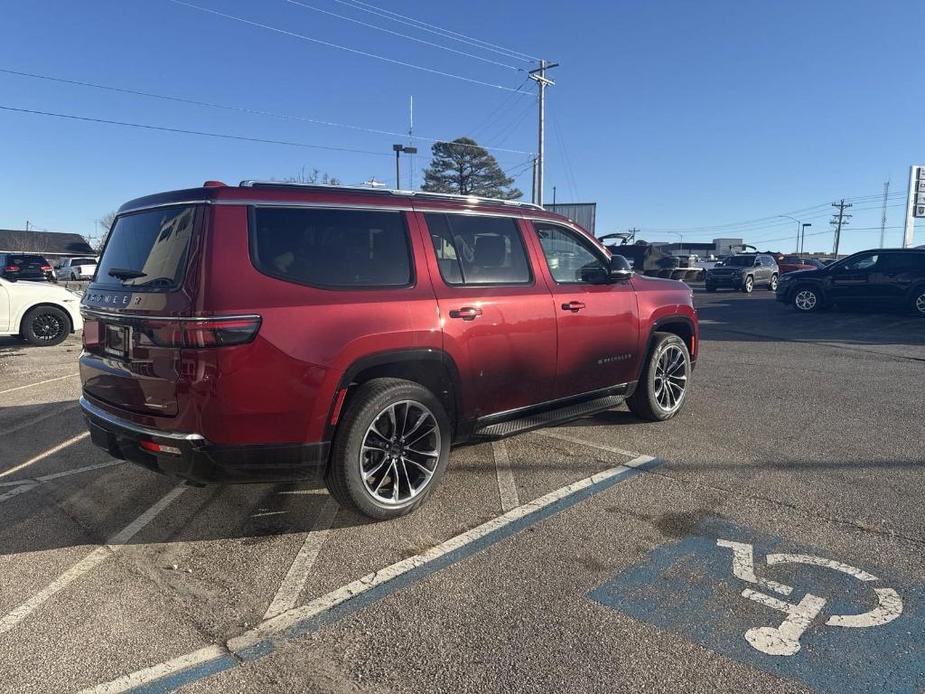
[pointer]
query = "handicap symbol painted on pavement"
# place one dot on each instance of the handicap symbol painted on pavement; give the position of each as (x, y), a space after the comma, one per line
(785, 639)
(796, 612)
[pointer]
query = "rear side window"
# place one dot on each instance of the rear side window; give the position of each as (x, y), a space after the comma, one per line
(902, 262)
(337, 249)
(475, 250)
(147, 250)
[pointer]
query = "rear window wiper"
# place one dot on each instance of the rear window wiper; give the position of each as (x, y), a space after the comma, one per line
(156, 282)
(121, 273)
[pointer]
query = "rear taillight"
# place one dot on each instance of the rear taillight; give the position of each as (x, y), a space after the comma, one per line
(11, 268)
(91, 332)
(46, 268)
(198, 332)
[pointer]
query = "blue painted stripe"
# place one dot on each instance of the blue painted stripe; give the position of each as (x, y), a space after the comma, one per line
(386, 589)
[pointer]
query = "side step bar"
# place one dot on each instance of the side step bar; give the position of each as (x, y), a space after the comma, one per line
(546, 418)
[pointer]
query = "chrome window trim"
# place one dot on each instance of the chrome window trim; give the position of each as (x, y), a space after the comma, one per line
(100, 413)
(362, 207)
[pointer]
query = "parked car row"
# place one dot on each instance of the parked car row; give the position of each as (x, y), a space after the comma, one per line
(33, 267)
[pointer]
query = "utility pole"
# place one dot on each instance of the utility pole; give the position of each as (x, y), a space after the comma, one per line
(538, 75)
(886, 192)
(633, 231)
(838, 221)
(553, 195)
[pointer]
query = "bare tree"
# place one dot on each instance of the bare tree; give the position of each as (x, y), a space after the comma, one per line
(313, 176)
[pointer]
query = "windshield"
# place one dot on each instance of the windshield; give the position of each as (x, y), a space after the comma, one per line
(740, 261)
(147, 250)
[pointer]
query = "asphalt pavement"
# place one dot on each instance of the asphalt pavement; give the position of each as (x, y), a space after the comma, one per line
(769, 538)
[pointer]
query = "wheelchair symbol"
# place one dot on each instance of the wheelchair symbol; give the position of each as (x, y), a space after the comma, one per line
(785, 639)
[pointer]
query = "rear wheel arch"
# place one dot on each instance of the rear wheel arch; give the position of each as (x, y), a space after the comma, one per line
(431, 368)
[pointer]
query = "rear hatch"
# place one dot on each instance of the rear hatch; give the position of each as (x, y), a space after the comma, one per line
(145, 282)
(26, 267)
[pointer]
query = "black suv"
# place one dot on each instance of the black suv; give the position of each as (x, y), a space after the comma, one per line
(743, 273)
(889, 277)
(24, 266)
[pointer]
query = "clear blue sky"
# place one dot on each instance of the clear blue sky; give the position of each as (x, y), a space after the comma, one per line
(671, 114)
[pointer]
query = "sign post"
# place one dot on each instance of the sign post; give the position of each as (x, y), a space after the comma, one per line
(915, 203)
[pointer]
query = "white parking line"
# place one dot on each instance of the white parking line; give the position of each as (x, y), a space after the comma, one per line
(40, 418)
(114, 544)
(156, 675)
(66, 473)
(32, 385)
(42, 456)
(291, 587)
(24, 487)
(553, 434)
(507, 488)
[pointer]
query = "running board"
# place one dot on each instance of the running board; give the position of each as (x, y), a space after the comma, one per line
(547, 418)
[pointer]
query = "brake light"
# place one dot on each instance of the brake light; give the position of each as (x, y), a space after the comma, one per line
(46, 268)
(198, 332)
(91, 332)
(12, 268)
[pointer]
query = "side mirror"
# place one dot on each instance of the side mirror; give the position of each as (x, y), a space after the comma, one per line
(620, 270)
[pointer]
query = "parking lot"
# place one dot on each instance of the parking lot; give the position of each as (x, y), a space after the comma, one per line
(768, 538)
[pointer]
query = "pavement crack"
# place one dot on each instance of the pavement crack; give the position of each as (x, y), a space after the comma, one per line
(890, 534)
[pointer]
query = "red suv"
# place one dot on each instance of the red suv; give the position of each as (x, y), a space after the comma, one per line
(274, 332)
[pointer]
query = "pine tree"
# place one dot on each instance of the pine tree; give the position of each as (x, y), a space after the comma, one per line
(465, 168)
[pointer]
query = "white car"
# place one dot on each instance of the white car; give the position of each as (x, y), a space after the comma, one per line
(43, 314)
(76, 269)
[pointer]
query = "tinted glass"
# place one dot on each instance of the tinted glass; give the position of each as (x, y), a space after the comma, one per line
(154, 243)
(740, 261)
(569, 257)
(478, 250)
(83, 261)
(902, 262)
(864, 262)
(332, 248)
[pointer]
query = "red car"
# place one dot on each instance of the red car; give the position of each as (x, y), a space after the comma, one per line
(272, 332)
(792, 263)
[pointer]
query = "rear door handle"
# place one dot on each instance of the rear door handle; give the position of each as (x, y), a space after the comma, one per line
(573, 306)
(466, 312)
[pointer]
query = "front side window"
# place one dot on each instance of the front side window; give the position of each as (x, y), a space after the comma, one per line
(570, 258)
(474, 250)
(337, 249)
(864, 262)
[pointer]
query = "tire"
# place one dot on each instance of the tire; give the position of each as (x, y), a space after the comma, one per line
(806, 299)
(654, 403)
(772, 285)
(748, 285)
(372, 470)
(918, 301)
(45, 326)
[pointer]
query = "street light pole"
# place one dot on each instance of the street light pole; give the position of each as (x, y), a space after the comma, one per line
(803, 233)
(799, 223)
(398, 149)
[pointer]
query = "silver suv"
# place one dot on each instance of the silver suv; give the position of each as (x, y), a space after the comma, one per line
(743, 273)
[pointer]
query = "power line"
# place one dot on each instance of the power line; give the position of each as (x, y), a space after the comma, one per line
(329, 44)
(838, 221)
(404, 36)
(202, 133)
(239, 109)
(434, 29)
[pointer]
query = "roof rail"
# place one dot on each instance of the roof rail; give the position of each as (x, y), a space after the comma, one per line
(472, 199)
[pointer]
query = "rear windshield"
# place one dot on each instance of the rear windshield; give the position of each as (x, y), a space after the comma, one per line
(147, 250)
(26, 260)
(83, 261)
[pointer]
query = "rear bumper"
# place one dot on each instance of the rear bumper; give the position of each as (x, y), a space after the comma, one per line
(199, 461)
